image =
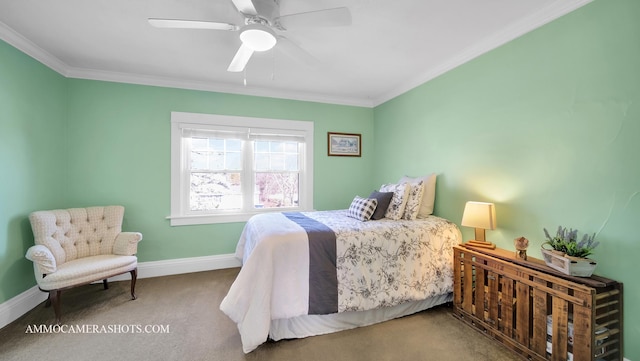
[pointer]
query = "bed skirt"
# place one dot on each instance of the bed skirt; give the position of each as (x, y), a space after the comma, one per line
(313, 325)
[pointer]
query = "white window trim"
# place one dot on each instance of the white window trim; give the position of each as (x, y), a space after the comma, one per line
(178, 215)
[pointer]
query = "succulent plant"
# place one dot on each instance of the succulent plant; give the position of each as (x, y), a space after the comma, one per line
(566, 241)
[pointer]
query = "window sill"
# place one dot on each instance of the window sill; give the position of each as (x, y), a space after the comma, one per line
(220, 218)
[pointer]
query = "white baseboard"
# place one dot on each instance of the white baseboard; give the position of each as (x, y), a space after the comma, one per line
(17, 306)
(181, 265)
(12, 309)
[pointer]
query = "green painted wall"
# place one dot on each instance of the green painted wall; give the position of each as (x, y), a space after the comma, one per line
(32, 149)
(123, 134)
(546, 127)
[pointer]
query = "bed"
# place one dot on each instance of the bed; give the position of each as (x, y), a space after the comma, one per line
(312, 273)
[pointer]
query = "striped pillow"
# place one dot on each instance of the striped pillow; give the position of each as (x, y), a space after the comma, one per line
(362, 208)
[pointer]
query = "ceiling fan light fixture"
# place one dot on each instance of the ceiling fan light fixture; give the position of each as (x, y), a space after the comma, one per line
(258, 37)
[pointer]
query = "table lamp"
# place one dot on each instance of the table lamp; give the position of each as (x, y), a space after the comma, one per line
(481, 216)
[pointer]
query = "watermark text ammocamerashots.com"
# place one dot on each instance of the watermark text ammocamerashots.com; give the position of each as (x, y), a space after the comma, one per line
(101, 329)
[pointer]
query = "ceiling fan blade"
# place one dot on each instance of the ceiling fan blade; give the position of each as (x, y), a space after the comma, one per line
(294, 51)
(191, 24)
(241, 59)
(328, 17)
(245, 6)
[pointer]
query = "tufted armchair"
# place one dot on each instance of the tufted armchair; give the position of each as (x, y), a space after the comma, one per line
(79, 246)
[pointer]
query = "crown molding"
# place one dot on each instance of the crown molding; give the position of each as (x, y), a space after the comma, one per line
(140, 79)
(25, 45)
(517, 29)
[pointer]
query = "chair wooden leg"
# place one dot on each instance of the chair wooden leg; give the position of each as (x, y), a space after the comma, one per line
(105, 284)
(54, 298)
(134, 277)
(48, 303)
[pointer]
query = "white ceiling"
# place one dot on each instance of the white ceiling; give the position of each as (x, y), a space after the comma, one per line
(391, 47)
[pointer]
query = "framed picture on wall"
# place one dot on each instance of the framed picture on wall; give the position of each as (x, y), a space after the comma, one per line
(344, 144)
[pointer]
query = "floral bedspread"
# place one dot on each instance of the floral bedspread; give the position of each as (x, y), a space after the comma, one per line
(384, 263)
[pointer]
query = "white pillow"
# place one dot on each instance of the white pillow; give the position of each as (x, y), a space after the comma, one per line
(362, 208)
(398, 201)
(414, 199)
(429, 194)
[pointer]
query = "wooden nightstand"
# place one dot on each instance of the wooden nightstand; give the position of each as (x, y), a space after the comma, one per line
(536, 311)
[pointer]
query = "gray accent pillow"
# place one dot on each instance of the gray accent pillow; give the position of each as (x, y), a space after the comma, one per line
(384, 198)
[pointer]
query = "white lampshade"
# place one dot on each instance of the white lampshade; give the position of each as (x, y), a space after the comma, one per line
(258, 37)
(479, 215)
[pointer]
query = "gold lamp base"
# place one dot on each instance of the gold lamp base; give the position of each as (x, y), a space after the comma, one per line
(480, 244)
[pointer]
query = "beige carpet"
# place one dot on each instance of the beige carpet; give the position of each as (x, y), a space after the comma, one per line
(188, 305)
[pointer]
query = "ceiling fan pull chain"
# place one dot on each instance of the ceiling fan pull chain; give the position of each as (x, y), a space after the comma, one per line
(244, 72)
(273, 66)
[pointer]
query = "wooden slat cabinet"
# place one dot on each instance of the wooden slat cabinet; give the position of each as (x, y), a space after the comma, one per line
(536, 311)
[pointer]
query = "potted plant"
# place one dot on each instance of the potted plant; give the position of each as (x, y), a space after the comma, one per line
(567, 255)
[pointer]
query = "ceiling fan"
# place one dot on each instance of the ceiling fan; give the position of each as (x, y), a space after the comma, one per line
(262, 21)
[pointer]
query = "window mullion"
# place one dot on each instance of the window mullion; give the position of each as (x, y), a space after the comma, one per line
(248, 175)
(185, 171)
(302, 202)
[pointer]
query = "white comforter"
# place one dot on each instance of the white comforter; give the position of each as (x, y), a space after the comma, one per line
(379, 264)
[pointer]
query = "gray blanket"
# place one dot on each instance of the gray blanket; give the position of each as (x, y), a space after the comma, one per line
(323, 279)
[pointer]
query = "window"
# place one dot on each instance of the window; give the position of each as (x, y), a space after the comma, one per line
(226, 169)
